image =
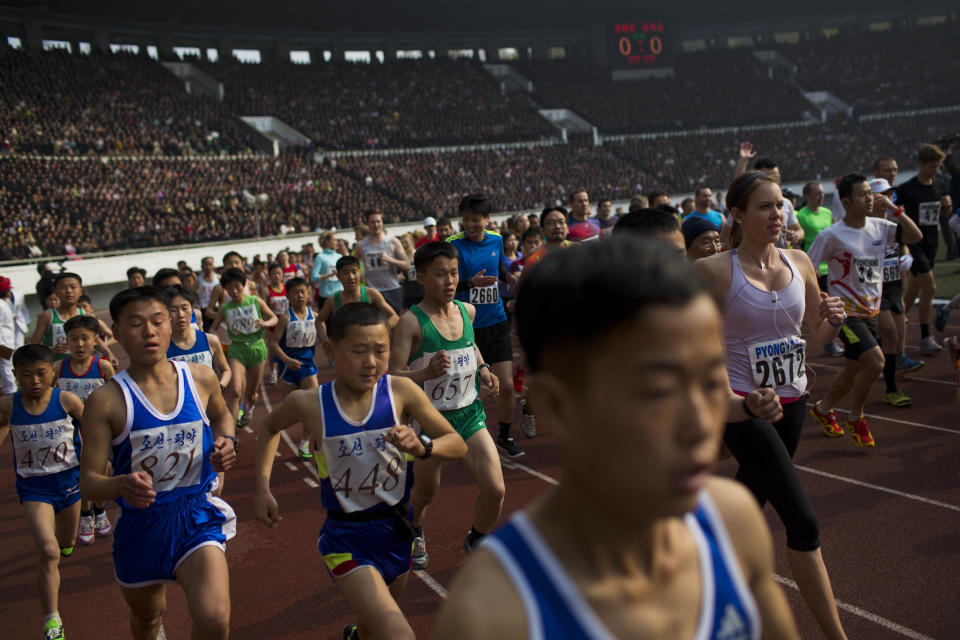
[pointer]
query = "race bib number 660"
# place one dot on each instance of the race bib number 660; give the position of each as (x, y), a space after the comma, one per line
(777, 363)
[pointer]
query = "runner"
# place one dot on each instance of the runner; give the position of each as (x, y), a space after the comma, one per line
(274, 292)
(582, 226)
(348, 273)
(290, 269)
(292, 344)
(553, 226)
(382, 258)
(189, 345)
(632, 385)
(46, 450)
(136, 277)
(207, 281)
(49, 331)
(167, 430)
(657, 223)
(767, 294)
(231, 260)
(479, 253)
(854, 249)
(701, 238)
(363, 457)
(324, 274)
(434, 346)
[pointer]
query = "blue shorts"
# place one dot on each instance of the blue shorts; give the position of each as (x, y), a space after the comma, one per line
(60, 490)
(150, 544)
(347, 546)
(292, 377)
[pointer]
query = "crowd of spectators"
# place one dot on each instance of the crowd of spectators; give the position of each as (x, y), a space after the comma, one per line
(710, 89)
(903, 135)
(343, 105)
(57, 103)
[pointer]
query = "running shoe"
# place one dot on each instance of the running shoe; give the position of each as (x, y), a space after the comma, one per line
(66, 552)
(940, 320)
(860, 433)
(905, 365)
(303, 450)
(240, 416)
(102, 525)
(528, 421)
(929, 346)
(246, 417)
(418, 558)
(509, 446)
(349, 632)
(53, 630)
(273, 377)
(85, 534)
(833, 350)
(897, 399)
(828, 421)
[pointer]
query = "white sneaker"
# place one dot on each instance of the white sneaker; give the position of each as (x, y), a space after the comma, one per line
(528, 421)
(303, 450)
(85, 534)
(929, 346)
(273, 377)
(102, 525)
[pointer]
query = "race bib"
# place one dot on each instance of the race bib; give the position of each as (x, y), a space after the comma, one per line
(59, 335)
(777, 363)
(929, 213)
(891, 269)
(301, 334)
(869, 270)
(171, 454)
(204, 358)
(81, 387)
(44, 449)
(243, 320)
(374, 260)
(485, 295)
(458, 387)
(279, 304)
(365, 470)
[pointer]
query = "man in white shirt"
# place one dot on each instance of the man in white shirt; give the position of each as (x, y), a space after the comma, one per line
(7, 338)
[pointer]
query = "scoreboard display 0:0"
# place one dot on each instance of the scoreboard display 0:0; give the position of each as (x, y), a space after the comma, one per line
(638, 44)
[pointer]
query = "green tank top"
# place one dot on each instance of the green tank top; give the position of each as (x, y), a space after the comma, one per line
(55, 334)
(241, 320)
(363, 297)
(458, 387)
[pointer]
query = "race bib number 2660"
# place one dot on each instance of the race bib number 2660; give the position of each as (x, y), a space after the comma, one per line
(485, 295)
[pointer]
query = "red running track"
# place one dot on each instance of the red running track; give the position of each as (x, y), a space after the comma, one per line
(890, 520)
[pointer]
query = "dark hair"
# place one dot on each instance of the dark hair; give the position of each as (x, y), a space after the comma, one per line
(604, 199)
(85, 298)
(232, 253)
(370, 212)
(64, 275)
(296, 282)
(347, 261)
(444, 220)
(180, 291)
(845, 184)
(430, 251)
(807, 188)
(880, 160)
(738, 195)
(361, 314)
(475, 203)
(89, 323)
(573, 193)
(165, 274)
(543, 214)
(133, 270)
(232, 274)
(274, 265)
(30, 353)
(656, 193)
(764, 163)
(699, 189)
(595, 286)
(136, 294)
(930, 153)
(529, 232)
(648, 222)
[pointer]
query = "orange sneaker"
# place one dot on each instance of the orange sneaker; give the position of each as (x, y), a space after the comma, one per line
(860, 433)
(828, 421)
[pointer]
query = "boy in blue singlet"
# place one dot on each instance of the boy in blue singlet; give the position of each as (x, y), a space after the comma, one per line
(293, 343)
(81, 373)
(434, 346)
(187, 343)
(628, 349)
(363, 458)
(46, 449)
(167, 431)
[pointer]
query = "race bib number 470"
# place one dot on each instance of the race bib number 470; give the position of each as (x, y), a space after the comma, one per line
(777, 363)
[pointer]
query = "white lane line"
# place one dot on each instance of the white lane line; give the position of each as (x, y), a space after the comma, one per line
(898, 421)
(291, 466)
(248, 429)
(311, 482)
(857, 611)
(909, 496)
(293, 447)
(908, 376)
(433, 584)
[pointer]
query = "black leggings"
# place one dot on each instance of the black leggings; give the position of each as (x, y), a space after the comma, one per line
(765, 453)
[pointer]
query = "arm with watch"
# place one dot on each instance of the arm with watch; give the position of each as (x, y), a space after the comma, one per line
(436, 438)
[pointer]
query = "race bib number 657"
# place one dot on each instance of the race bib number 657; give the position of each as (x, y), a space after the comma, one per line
(777, 363)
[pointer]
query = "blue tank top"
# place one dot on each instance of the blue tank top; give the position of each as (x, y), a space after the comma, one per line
(81, 384)
(474, 257)
(43, 445)
(299, 336)
(173, 448)
(359, 470)
(196, 320)
(199, 353)
(556, 609)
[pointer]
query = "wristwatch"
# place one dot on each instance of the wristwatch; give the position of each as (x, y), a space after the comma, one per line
(236, 443)
(427, 445)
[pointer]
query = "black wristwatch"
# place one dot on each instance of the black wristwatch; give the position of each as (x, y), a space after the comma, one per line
(427, 445)
(236, 443)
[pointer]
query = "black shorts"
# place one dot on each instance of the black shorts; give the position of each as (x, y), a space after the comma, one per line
(892, 298)
(858, 335)
(924, 256)
(494, 342)
(394, 298)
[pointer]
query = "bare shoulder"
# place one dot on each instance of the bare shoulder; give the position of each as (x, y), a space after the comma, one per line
(800, 258)
(471, 310)
(6, 405)
(204, 376)
(408, 323)
(71, 402)
(715, 265)
(402, 387)
(480, 587)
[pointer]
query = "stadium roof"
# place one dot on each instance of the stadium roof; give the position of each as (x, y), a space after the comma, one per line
(461, 15)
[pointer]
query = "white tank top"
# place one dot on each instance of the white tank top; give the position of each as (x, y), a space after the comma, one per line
(377, 273)
(204, 289)
(762, 331)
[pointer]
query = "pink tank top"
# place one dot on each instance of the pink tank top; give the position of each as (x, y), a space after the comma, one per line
(762, 331)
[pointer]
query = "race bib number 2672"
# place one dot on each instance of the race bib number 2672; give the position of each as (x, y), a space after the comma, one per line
(777, 363)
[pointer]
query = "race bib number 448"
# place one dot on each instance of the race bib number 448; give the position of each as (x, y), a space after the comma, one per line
(777, 363)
